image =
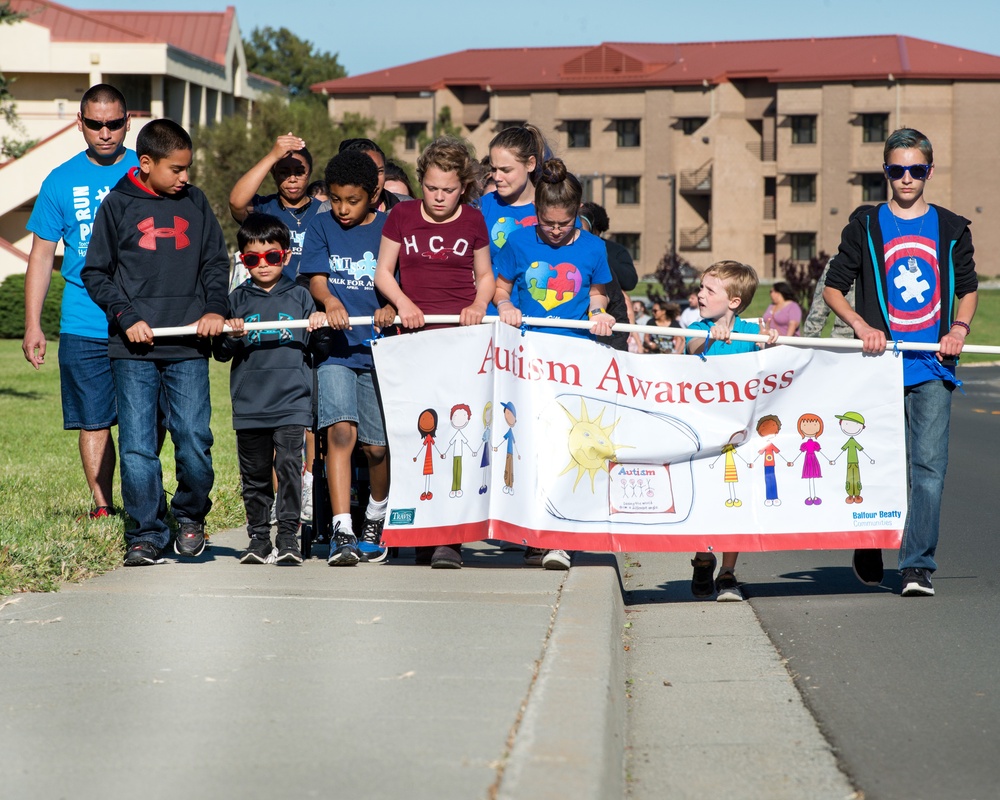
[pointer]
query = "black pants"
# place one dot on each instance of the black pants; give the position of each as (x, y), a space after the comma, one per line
(259, 449)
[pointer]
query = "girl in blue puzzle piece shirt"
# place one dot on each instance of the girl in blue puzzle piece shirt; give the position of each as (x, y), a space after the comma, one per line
(559, 270)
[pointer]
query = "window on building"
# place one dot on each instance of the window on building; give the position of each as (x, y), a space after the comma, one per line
(874, 127)
(803, 129)
(873, 188)
(803, 246)
(627, 190)
(578, 133)
(690, 124)
(627, 132)
(630, 241)
(510, 123)
(803, 188)
(587, 184)
(412, 131)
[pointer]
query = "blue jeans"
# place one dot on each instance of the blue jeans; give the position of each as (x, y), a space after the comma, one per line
(184, 385)
(927, 407)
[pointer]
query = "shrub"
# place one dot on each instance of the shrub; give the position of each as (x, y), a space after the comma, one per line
(12, 307)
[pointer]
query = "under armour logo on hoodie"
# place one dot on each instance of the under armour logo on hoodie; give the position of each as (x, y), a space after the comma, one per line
(151, 234)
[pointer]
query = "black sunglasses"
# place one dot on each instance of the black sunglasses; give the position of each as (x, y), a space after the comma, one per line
(273, 257)
(110, 124)
(918, 172)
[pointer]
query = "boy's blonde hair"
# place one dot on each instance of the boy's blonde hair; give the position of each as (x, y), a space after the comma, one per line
(738, 279)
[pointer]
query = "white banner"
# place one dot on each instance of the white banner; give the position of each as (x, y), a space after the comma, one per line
(558, 442)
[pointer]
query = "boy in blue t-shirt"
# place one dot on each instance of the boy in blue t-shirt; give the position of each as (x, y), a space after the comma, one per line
(727, 287)
(339, 257)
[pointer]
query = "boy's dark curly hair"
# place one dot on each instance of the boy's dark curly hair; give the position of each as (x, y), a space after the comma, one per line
(352, 168)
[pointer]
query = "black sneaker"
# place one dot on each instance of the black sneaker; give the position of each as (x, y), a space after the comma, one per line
(702, 583)
(190, 539)
(447, 556)
(728, 588)
(257, 552)
(867, 565)
(533, 556)
(288, 549)
(917, 583)
(343, 548)
(370, 547)
(141, 554)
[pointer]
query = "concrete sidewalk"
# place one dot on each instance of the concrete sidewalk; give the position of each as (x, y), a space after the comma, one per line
(216, 679)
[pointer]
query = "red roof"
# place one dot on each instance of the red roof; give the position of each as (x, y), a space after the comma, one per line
(615, 64)
(201, 33)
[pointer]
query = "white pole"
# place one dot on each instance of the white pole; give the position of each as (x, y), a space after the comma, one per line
(655, 330)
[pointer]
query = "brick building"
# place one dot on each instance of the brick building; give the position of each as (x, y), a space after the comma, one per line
(754, 150)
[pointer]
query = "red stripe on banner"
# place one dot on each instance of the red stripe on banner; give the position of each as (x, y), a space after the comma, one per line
(881, 538)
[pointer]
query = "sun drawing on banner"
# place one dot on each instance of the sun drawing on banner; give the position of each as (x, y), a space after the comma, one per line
(590, 445)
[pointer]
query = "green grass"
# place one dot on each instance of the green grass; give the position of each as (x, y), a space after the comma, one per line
(43, 494)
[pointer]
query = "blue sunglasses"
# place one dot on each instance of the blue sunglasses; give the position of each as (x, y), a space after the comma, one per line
(918, 172)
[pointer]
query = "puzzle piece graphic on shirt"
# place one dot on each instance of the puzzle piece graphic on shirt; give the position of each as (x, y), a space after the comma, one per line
(537, 278)
(911, 283)
(567, 282)
(552, 299)
(364, 268)
(503, 228)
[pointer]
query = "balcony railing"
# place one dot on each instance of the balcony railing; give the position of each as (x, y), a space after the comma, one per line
(769, 212)
(697, 181)
(699, 238)
(765, 151)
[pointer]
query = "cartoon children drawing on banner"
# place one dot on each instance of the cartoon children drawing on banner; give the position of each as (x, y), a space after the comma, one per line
(460, 416)
(730, 476)
(510, 417)
(484, 462)
(810, 428)
(768, 427)
(851, 424)
(427, 424)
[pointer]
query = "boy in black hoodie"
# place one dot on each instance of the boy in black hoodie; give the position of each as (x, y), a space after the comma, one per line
(157, 258)
(271, 386)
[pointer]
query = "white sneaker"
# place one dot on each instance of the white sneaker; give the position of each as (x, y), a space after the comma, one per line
(306, 514)
(555, 559)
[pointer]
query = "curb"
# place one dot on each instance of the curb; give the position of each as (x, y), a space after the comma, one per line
(571, 741)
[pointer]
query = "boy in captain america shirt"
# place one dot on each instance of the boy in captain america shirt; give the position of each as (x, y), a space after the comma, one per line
(915, 276)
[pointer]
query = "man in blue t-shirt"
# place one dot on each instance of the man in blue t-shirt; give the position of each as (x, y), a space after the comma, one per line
(65, 209)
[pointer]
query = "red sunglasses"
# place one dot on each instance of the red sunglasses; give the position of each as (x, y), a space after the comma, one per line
(273, 257)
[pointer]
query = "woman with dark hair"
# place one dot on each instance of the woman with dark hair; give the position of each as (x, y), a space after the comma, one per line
(665, 316)
(784, 313)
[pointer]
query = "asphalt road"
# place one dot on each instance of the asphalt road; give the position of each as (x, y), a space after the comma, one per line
(905, 689)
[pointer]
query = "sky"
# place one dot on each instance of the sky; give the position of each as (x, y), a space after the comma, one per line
(373, 36)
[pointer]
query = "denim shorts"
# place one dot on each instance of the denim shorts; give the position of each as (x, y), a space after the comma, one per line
(350, 395)
(86, 383)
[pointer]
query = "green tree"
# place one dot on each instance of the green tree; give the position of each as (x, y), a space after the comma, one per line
(282, 56)
(444, 127)
(9, 146)
(228, 149)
